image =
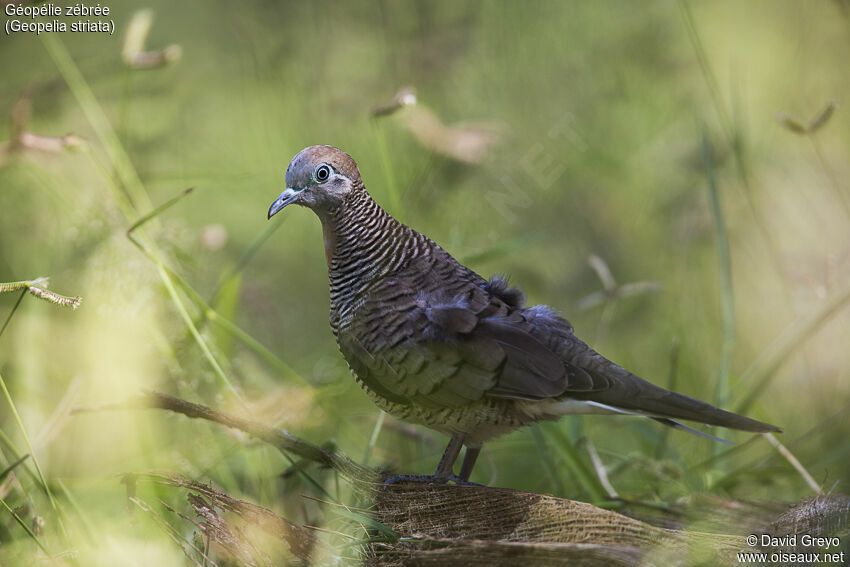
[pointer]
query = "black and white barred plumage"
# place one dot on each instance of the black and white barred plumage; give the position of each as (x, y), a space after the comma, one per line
(434, 343)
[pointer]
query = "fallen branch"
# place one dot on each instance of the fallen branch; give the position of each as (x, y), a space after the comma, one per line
(451, 525)
(365, 478)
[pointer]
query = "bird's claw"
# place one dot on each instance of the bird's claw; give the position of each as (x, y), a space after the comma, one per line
(429, 479)
(463, 482)
(423, 478)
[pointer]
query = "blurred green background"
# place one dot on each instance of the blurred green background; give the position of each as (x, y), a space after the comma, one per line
(646, 135)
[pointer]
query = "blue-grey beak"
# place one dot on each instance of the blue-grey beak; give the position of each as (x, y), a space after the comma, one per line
(287, 197)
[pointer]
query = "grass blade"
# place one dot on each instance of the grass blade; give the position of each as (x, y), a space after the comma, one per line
(202, 344)
(572, 458)
(135, 196)
(762, 371)
(160, 209)
(724, 263)
(24, 525)
(41, 478)
(8, 470)
(12, 312)
(379, 424)
(544, 453)
(789, 456)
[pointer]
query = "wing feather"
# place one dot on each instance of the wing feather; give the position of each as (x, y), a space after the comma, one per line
(448, 353)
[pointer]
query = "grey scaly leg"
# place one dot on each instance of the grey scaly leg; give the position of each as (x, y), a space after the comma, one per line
(468, 462)
(445, 468)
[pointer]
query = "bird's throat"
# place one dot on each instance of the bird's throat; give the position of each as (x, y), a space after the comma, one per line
(329, 234)
(361, 242)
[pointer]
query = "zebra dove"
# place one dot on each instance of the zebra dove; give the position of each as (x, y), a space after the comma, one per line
(434, 343)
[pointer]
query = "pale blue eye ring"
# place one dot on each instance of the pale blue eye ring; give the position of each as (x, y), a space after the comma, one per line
(322, 173)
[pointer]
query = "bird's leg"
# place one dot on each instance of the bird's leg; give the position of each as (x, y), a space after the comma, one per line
(445, 468)
(444, 472)
(468, 462)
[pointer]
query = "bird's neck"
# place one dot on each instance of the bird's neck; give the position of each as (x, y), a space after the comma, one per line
(362, 243)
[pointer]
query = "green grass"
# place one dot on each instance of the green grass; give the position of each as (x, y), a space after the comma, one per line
(682, 176)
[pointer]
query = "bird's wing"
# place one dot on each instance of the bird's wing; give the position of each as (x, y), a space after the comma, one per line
(440, 353)
(437, 352)
(424, 372)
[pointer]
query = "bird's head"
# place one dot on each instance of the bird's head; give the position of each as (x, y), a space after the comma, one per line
(318, 177)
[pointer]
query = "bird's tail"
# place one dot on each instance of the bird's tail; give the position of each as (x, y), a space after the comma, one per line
(623, 392)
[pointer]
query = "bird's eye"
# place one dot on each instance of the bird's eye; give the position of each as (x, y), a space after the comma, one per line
(322, 173)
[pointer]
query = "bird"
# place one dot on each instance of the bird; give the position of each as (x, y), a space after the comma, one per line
(434, 343)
